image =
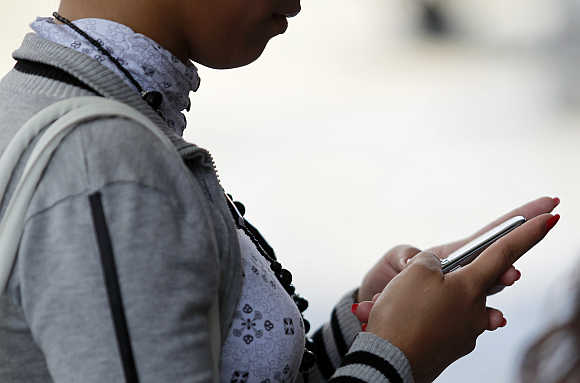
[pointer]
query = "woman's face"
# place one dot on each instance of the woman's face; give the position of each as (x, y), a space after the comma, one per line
(232, 33)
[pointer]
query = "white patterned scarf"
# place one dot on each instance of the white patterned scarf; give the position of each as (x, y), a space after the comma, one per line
(154, 68)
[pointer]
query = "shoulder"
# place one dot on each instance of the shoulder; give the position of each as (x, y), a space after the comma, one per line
(108, 151)
(118, 149)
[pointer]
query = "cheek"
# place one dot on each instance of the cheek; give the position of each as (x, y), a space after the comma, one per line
(232, 33)
(247, 36)
(251, 22)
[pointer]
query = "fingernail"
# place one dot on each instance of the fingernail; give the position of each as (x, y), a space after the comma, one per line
(552, 222)
(518, 275)
(556, 201)
(503, 322)
(364, 327)
(354, 307)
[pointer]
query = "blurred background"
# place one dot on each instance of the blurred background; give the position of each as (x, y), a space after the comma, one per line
(371, 124)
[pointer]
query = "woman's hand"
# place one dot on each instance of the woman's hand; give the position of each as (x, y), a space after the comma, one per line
(387, 268)
(434, 318)
(395, 260)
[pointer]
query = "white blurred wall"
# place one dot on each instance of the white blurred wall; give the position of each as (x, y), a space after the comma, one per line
(351, 135)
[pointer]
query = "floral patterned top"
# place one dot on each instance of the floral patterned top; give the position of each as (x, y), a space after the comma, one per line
(266, 339)
(154, 67)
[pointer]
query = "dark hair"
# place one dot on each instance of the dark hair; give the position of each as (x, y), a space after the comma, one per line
(555, 356)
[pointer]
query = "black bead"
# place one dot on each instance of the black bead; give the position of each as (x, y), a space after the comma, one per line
(301, 303)
(306, 326)
(241, 208)
(276, 267)
(154, 99)
(285, 277)
(308, 361)
(289, 289)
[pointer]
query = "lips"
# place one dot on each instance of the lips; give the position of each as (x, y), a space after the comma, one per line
(288, 11)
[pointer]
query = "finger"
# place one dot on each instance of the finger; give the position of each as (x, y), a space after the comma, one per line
(495, 319)
(401, 256)
(529, 210)
(499, 257)
(495, 290)
(429, 261)
(363, 310)
(509, 277)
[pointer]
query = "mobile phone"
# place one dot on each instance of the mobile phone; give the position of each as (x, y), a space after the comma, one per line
(469, 252)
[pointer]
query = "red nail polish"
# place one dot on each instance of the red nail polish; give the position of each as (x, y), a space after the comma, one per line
(503, 322)
(354, 307)
(556, 201)
(364, 326)
(552, 222)
(518, 275)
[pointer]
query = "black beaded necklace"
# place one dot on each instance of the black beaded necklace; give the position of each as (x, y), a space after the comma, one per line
(284, 276)
(237, 209)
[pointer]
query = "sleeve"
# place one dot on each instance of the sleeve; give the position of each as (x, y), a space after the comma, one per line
(345, 354)
(166, 260)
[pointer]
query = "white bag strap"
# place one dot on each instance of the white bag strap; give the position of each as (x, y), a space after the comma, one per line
(59, 120)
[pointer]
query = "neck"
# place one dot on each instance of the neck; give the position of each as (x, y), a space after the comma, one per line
(152, 19)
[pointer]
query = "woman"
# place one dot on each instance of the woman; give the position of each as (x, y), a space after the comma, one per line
(180, 247)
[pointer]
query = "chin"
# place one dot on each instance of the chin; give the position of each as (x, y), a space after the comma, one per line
(236, 58)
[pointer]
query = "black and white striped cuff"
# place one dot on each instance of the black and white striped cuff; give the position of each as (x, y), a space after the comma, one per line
(373, 359)
(333, 340)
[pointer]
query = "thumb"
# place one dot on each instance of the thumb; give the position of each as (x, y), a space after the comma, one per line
(427, 259)
(401, 256)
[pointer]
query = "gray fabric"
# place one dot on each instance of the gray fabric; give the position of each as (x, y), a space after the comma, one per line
(173, 237)
(36, 93)
(172, 233)
(369, 342)
(330, 345)
(349, 327)
(349, 323)
(369, 373)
